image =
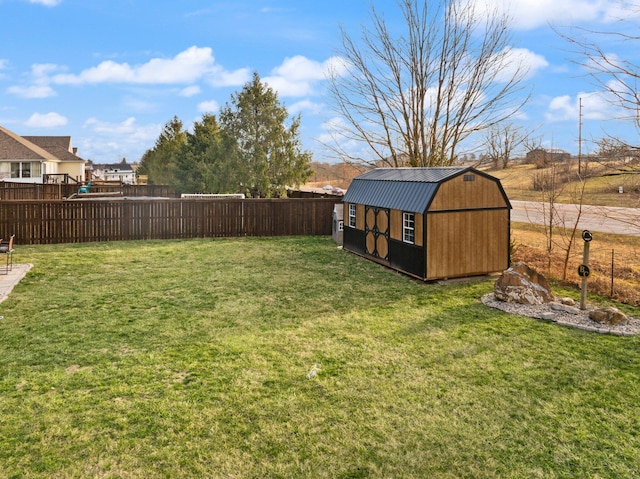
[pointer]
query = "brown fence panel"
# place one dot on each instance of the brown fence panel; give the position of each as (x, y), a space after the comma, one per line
(58, 221)
(58, 191)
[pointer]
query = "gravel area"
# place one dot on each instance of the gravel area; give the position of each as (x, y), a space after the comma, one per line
(579, 320)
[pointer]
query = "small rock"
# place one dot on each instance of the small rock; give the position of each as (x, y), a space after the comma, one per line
(568, 301)
(313, 372)
(548, 316)
(522, 284)
(563, 307)
(608, 315)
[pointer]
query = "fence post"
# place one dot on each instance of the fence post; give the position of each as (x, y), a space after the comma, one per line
(612, 266)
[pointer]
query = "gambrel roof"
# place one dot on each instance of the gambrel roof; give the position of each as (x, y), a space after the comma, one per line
(405, 189)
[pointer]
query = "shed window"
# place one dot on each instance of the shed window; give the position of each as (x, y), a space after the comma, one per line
(469, 177)
(352, 216)
(408, 227)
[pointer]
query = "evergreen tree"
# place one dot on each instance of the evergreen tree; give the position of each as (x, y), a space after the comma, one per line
(263, 153)
(159, 163)
(197, 157)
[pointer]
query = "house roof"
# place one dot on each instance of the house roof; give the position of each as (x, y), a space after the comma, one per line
(15, 147)
(59, 146)
(406, 189)
(112, 167)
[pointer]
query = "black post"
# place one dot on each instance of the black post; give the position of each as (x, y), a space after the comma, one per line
(612, 256)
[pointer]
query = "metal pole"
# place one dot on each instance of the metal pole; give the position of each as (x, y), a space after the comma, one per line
(612, 255)
(583, 287)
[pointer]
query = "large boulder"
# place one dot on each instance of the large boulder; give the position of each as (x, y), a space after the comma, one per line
(609, 316)
(522, 284)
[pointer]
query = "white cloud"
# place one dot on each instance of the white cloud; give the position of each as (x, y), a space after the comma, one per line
(331, 128)
(562, 108)
(97, 126)
(301, 68)
(41, 71)
(522, 58)
(46, 120)
(116, 140)
(3, 63)
(298, 76)
(305, 105)
(46, 3)
(185, 67)
(33, 91)
(190, 91)
(530, 14)
(208, 106)
(334, 140)
(39, 87)
(127, 131)
(189, 66)
(286, 87)
(595, 106)
(222, 78)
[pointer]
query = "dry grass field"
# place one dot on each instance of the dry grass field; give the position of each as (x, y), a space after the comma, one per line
(602, 185)
(610, 256)
(614, 259)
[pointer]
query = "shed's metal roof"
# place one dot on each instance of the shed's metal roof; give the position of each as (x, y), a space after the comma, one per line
(406, 189)
(420, 175)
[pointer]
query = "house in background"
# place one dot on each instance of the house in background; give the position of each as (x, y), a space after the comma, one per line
(121, 172)
(542, 157)
(38, 159)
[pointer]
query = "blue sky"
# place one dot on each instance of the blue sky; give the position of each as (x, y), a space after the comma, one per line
(111, 73)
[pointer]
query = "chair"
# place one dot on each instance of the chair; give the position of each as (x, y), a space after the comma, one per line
(7, 249)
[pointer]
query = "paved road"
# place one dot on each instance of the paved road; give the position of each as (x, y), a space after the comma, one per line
(606, 219)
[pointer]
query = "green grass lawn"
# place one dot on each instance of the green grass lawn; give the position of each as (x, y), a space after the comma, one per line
(190, 359)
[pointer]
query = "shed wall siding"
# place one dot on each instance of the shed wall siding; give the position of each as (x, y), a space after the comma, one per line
(395, 231)
(457, 194)
(360, 217)
(463, 243)
(419, 239)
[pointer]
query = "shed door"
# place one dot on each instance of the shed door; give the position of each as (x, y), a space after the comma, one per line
(377, 232)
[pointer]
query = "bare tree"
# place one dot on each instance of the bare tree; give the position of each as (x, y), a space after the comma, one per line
(611, 72)
(414, 97)
(569, 229)
(616, 155)
(501, 141)
(550, 188)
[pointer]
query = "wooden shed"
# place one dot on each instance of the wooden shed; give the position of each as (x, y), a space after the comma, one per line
(432, 223)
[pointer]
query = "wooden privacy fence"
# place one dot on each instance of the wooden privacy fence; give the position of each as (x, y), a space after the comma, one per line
(49, 222)
(57, 191)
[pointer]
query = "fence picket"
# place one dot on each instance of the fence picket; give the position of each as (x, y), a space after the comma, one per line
(59, 221)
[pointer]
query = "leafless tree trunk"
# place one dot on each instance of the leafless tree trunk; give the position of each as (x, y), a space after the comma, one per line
(412, 99)
(569, 231)
(549, 184)
(501, 141)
